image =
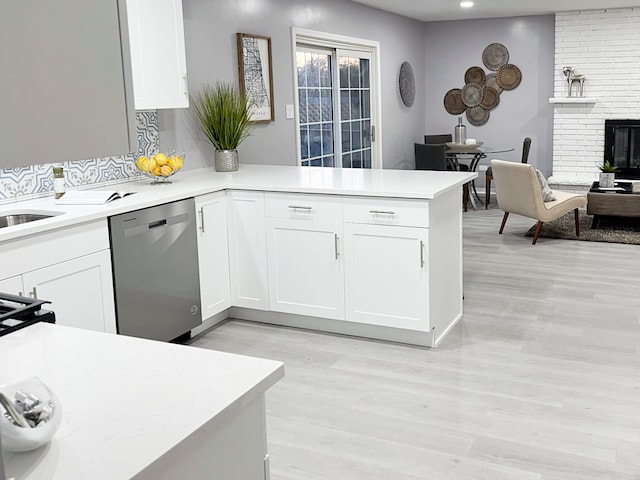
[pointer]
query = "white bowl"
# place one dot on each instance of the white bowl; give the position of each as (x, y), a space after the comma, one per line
(22, 439)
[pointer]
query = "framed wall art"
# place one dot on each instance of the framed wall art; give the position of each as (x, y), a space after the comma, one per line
(255, 73)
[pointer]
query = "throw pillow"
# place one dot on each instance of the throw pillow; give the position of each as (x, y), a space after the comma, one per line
(547, 193)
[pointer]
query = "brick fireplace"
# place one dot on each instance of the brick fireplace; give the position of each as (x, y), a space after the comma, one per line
(603, 45)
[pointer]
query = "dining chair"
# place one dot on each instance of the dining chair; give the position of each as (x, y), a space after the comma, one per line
(488, 176)
(518, 190)
(432, 157)
(441, 138)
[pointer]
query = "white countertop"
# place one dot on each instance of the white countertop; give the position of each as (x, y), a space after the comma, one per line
(125, 401)
(417, 184)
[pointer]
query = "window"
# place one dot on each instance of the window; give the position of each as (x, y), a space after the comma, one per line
(336, 103)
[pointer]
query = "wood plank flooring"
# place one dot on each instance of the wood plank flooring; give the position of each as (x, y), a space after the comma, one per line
(540, 380)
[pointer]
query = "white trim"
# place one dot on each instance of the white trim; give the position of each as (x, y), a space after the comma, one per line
(334, 41)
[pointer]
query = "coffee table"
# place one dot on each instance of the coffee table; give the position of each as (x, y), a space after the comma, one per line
(612, 204)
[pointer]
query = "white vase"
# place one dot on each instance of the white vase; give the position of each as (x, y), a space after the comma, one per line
(607, 180)
(226, 160)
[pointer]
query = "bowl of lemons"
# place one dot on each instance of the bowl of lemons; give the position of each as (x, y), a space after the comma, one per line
(161, 166)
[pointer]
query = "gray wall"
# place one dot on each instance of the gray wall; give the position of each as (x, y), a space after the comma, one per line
(210, 28)
(452, 47)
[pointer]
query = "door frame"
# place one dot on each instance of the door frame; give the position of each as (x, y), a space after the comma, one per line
(341, 42)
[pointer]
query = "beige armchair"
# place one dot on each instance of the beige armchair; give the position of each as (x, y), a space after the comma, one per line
(519, 191)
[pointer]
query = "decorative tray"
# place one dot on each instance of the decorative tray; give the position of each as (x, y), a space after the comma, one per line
(463, 146)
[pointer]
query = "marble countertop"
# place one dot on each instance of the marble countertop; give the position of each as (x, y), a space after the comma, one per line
(126, 401)
(415, 184)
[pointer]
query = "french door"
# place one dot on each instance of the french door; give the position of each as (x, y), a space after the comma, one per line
(335, 106)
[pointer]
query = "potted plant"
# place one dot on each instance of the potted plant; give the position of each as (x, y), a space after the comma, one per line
(607, 174)
(221, 113)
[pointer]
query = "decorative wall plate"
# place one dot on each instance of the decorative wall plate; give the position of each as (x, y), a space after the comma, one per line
(453, 102)
(472, 94)
(407, 84)
(495, 55)
(509, 76)
(477, 116)
(475, 75)
(490, 98)
(493, 83)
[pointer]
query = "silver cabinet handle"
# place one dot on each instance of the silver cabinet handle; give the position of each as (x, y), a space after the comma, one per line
(336, 238)
(382, 212)
(421, 254)
(300, 207)
(186, 84)
(33, 293)
(202, 219)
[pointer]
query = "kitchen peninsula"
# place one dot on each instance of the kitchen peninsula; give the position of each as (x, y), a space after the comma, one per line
(374, 253)
(142, 409)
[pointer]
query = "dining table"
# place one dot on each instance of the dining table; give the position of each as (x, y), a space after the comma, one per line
(471, 155)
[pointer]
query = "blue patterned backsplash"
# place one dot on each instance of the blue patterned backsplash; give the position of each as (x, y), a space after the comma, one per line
(37, 180)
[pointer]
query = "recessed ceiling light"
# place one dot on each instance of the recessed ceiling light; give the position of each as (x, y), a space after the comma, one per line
(466, 4)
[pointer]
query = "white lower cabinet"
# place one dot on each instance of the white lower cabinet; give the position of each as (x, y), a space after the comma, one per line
(305, 267)
(247, 249)
(80, 291)
(71, 268)
(387, 275)
(213, 254)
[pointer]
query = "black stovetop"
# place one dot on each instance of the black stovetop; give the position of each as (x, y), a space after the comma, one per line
(18, 312)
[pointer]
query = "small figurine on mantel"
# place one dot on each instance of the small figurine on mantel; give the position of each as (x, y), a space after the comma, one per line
(572, 77)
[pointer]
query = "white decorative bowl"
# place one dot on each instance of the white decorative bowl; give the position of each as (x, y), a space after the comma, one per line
(23, 439)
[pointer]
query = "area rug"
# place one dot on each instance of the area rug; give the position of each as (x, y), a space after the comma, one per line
(564, 227)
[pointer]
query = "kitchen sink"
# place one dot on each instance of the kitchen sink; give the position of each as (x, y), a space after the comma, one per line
(23, 216)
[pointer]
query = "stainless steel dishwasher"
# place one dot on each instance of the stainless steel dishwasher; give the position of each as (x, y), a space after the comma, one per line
(155, 271)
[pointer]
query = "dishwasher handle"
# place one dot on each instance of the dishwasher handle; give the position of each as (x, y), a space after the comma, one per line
(145, 227)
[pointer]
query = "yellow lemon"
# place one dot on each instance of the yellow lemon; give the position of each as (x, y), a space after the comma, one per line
(179, 162)
(156, 171)
(166, 170)
(160, 158)
(143, 164)
(172, 162)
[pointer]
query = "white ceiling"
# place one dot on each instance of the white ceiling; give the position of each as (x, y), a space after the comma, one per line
(436, 10)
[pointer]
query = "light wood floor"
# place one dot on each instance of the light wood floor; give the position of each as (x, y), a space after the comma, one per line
(541, 379)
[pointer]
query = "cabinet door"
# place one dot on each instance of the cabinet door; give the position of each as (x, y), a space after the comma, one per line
(213, 254)
(305, 267)
(158, 61)
(80, 291)
(66, 83)
(247, 249)
(386, 274)
(12, 285)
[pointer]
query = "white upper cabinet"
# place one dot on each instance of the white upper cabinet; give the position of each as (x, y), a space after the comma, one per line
(158, 60)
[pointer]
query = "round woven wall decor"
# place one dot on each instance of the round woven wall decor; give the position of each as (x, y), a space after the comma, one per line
(477, 116)
(495, 55)
(493, 83)
(407, 84)
(475, 75)
(453, 102)
(509, 76)
(472, 94)
(490, 98)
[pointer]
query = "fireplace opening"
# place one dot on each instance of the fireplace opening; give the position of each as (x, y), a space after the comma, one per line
(622, 146)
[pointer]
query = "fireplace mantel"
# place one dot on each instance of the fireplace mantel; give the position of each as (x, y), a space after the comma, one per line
(579, 100)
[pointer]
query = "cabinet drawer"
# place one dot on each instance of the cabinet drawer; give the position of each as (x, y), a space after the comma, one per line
(300, 206)
(386, 211)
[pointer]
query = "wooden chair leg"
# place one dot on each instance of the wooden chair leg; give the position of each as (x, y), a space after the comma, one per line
(576, 217)
(487, 188)
(535, 235)
(504, 220)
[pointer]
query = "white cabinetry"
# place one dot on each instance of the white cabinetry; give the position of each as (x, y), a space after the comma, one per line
(387, 279)
(247, 249)
(304, 254)
(80, 291)
(70, 267)
(386, 262)
(158, 60)
(213, 255)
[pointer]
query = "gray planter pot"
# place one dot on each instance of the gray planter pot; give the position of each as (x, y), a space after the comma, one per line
(225, 160)
(607, 180)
